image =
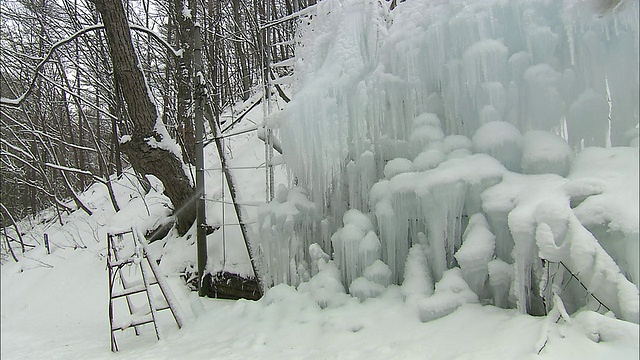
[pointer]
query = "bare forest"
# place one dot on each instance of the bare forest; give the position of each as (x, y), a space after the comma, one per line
(86, 84)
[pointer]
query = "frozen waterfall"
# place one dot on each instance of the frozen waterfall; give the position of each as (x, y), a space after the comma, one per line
(492, 143)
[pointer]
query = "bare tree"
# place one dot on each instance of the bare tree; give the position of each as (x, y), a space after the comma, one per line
(67, 99)
(149, 149)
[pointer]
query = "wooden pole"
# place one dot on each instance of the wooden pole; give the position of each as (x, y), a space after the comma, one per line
(268, 148)
(199, 86)
(46, 243)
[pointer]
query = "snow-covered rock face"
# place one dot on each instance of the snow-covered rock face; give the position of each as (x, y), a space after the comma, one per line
(462, 130)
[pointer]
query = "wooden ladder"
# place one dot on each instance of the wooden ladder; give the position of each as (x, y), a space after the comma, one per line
(121, 253)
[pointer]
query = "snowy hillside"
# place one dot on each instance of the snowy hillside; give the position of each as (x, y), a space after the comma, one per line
(459, 180)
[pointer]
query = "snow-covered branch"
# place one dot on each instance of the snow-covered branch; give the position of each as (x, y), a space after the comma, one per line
(176, 53)
(51, 137)
(73, 170)
(17, 101)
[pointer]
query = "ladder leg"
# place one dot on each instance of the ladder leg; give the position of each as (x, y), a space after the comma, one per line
(164, 293)
(128, 299)
(152, 306)
(114, 345)
(164, 287)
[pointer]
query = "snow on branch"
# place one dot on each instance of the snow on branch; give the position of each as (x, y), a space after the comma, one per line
(295, 15)
(16, 102)
(9, 145)
(176, 53)
(77, 96)
(75, 170)
(43, 134)
(8, 154)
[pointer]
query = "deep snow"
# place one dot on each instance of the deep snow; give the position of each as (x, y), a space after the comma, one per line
(61, 313)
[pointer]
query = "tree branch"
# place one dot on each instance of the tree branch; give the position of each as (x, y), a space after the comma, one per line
(17, 101)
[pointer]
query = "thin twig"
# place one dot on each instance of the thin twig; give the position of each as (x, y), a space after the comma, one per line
(583, 286)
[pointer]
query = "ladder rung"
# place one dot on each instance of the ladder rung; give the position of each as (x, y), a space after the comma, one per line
(163, 308)
(132, 290)
(129, 291)
(121, 232)
(120, 262)
(284, 63)
(283, 80)
(135, 322)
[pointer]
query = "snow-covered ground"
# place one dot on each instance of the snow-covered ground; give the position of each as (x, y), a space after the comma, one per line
(60, 312)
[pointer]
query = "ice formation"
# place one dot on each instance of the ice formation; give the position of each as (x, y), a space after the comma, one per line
(451, 292)
(325, 287)
(545, 153)
(283, 247)
(356, 246)
(417, 277)
(450, 142)
(500, 279)
(363, 289)
(502, 141)
(477, 250)
(604, 194)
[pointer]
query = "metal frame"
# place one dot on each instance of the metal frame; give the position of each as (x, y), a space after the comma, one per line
(115, 264)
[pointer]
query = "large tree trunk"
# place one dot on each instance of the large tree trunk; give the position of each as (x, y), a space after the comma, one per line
(145, 150)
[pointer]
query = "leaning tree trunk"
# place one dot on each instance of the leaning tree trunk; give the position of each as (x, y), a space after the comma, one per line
(146, 150)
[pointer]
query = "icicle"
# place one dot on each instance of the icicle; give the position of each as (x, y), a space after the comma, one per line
(396, 103)
(369, 250)
(282, 248)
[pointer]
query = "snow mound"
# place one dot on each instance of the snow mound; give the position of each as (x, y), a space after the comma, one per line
(502, 141)
(450, 293)
(545, 153)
